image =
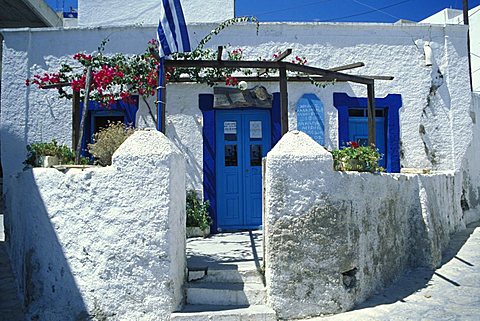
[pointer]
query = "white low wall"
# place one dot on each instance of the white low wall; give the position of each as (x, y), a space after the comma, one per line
(104, 241)
(333, 238)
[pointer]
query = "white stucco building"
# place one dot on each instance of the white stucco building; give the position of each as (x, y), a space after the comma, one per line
(426, 115)
(455, 17)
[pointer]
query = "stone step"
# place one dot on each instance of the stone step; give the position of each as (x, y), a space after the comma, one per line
(230, 313)
(224, 274)
(225, 294)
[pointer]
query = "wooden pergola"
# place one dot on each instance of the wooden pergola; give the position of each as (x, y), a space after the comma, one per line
(311, 73)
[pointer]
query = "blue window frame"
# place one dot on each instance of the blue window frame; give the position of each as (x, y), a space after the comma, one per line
(388, 107)
(99, 115)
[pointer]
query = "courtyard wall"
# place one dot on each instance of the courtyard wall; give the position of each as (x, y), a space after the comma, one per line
(333, 238)
(106, 242)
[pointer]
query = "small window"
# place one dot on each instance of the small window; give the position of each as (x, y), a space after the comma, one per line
(255, 155)
(231, 155)
(357, 112)
(380, 113)
(103, 121)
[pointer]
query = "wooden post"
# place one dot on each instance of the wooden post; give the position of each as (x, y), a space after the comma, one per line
(371, 114)
(75, 119)
(84, 115)
(283, 100)
(466, 22)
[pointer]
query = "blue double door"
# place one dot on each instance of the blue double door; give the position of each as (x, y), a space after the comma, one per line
(243, 137)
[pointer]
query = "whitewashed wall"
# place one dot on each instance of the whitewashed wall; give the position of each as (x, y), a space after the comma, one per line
(109, 241)
(333, 238)
(471, 166)
(29, 114)
(453, 17)
(147, 12)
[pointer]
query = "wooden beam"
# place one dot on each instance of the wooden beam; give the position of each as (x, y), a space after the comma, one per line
(371, 114)
(276, 79)
(219, 53)
(267, 64)
(328, 73)
(59, 85)
(280, 57)
(283, 100)
(347, 67)
(284, 55)
(75, 119)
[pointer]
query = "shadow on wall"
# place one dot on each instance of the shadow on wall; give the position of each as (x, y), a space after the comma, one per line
(47, 290)
(194, 170)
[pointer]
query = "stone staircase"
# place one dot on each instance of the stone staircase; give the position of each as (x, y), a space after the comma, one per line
(11, 308)
(220, 290)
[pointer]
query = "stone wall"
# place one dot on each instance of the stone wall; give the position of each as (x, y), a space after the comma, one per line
(333, 238)
(104, 241)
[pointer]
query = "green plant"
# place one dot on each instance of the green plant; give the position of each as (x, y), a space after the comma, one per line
(64, 154)
(107, 141)
(197, 211)
(357, 158)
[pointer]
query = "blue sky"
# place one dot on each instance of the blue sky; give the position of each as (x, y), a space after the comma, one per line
(345, 10)
(329, 10)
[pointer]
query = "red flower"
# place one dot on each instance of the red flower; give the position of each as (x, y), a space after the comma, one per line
(27, 82)
(354, 144)
(231, 81)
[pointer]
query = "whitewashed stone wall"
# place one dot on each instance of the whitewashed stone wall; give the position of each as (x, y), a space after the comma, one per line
(471, 166)
(434, 119)
(454, 17)
(147, 12)
(105, 241)
(333, 238)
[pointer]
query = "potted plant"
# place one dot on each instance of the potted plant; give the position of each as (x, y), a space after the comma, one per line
(357, 158)
(49, 154)
(198, 220)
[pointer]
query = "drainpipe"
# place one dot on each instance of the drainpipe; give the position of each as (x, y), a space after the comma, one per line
(465, 22)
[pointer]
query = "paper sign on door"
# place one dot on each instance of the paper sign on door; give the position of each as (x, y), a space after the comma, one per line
(230, 127)
(255, 129)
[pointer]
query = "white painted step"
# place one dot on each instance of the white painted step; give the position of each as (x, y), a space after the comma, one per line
(225, 294)
(224, 274)
(230, 313)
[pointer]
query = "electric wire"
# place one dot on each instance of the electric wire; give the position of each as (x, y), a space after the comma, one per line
(367, 12)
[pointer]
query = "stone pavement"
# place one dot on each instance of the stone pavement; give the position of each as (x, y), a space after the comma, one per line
(242, 249)
(451, 292)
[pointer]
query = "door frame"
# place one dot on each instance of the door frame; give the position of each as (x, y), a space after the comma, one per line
(206, 105)
(392, 104)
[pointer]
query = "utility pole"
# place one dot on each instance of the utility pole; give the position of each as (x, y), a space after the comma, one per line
(465, 22)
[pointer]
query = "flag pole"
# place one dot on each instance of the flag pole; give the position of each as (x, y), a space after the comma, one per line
(161, 97)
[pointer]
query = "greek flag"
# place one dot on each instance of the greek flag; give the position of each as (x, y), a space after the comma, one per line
(172, 31)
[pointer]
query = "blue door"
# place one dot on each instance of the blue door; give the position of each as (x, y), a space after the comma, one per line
(243, 137)
(358, 130)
